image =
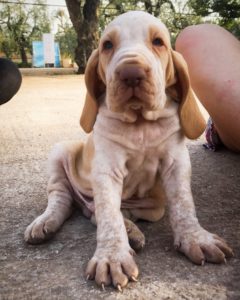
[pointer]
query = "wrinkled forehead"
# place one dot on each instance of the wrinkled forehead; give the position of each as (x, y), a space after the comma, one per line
(136, 24)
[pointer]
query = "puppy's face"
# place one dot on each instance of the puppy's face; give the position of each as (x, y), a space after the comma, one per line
(135, 66)
(133, 62)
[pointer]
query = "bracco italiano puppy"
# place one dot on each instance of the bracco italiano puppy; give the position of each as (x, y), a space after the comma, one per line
(139, 108)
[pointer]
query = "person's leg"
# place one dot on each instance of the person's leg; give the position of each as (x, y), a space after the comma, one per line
(213, 58)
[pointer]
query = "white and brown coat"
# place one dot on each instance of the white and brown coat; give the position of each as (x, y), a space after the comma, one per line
(139, 108)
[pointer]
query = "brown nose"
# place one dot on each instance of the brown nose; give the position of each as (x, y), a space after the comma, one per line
(132, 75)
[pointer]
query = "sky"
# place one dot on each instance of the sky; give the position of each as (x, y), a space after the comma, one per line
(60, 4)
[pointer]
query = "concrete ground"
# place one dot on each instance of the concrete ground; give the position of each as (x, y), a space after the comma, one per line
(46, 110)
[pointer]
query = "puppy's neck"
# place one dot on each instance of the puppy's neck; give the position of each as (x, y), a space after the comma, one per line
(141, 132)
(140, 116)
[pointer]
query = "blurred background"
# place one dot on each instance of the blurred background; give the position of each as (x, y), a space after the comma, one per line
(74, 26)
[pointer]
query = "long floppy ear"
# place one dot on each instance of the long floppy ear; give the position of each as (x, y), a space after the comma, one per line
(179, 88)
(95, 88)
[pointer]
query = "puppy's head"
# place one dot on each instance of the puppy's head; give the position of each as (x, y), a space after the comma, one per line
(136, 68)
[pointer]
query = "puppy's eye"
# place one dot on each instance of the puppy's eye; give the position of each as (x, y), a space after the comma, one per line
(107, 45)
(157, 42)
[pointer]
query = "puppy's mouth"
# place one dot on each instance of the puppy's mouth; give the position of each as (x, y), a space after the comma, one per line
(136, 99)
(136, 109)
(136, 104)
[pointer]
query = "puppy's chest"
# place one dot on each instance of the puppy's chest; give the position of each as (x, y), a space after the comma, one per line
(142, 174)
(146, 138)
(142, 146)
(140, 135)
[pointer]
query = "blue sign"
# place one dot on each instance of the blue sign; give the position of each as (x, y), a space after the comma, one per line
(38, 56)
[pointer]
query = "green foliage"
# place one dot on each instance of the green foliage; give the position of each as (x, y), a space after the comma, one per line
(179, 14)
(112, 8)
(7, 44)
(175, 14)
(224, 13)
(226, 9)
(21, 24)
(66, 35)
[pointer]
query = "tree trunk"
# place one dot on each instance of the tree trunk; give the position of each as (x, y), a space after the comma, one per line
(23, 56)
(85, 23)
(22, 45)
(148, 6)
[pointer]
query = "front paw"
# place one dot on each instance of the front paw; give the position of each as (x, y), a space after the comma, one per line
(112, 265)
(200, 246)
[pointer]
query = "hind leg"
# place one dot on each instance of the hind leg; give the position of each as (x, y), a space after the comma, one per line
(59, 206)
(152, 208)
(148, 214)
(135, 236)
(44, 226)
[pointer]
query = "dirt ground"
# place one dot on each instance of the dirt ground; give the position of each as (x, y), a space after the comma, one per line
(46, 110)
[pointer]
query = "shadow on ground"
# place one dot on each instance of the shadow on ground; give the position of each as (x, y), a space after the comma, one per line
(45, 111)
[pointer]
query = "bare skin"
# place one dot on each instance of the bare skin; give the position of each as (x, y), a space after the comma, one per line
(213, 57)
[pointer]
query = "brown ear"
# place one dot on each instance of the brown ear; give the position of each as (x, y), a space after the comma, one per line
(95, 88)
(192, 121)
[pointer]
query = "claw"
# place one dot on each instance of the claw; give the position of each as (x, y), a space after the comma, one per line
(119, 288)
(132, 252)
(133, 278)
(177, 246)
(203, 262)
(88, 277)
(225, 261)
(103, 286)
